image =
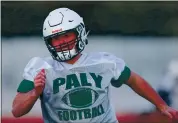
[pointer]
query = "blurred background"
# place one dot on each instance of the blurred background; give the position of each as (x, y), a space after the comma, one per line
(144, 34)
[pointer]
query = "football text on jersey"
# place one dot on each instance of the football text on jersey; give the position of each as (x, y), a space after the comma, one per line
(80, 96)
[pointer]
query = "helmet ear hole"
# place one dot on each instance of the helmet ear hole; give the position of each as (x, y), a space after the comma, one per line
(86, 41)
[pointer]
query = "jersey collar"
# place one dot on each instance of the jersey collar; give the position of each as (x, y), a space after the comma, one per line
(77, 63)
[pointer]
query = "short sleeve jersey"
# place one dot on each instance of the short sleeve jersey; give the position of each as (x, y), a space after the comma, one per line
(79, 92)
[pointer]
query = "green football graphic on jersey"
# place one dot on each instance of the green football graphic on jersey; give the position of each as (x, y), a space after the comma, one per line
(80, 97)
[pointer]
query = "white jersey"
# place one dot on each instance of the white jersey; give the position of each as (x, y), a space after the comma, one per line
(77, 93)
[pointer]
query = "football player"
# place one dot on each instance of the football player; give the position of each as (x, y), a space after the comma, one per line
(73, 86)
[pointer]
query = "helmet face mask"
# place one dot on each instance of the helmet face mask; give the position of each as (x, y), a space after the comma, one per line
(70, 49)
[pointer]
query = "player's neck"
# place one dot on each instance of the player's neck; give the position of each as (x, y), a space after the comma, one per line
(72, 61)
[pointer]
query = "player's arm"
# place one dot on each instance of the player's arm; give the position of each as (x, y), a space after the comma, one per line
(24, 101)
(141, 87)
(123, 74)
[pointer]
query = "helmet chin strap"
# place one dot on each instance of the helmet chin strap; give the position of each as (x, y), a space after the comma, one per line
(67, 55)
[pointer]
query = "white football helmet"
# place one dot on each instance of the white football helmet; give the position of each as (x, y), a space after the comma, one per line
(60, 21)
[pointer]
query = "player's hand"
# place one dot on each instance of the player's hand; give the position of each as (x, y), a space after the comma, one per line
(39, 82)
(169, 112)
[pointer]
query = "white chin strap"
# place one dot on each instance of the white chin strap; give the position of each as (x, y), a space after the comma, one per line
(68, 54)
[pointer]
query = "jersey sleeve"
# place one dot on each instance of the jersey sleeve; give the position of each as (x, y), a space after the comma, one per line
(30, 71)
(121, 72)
